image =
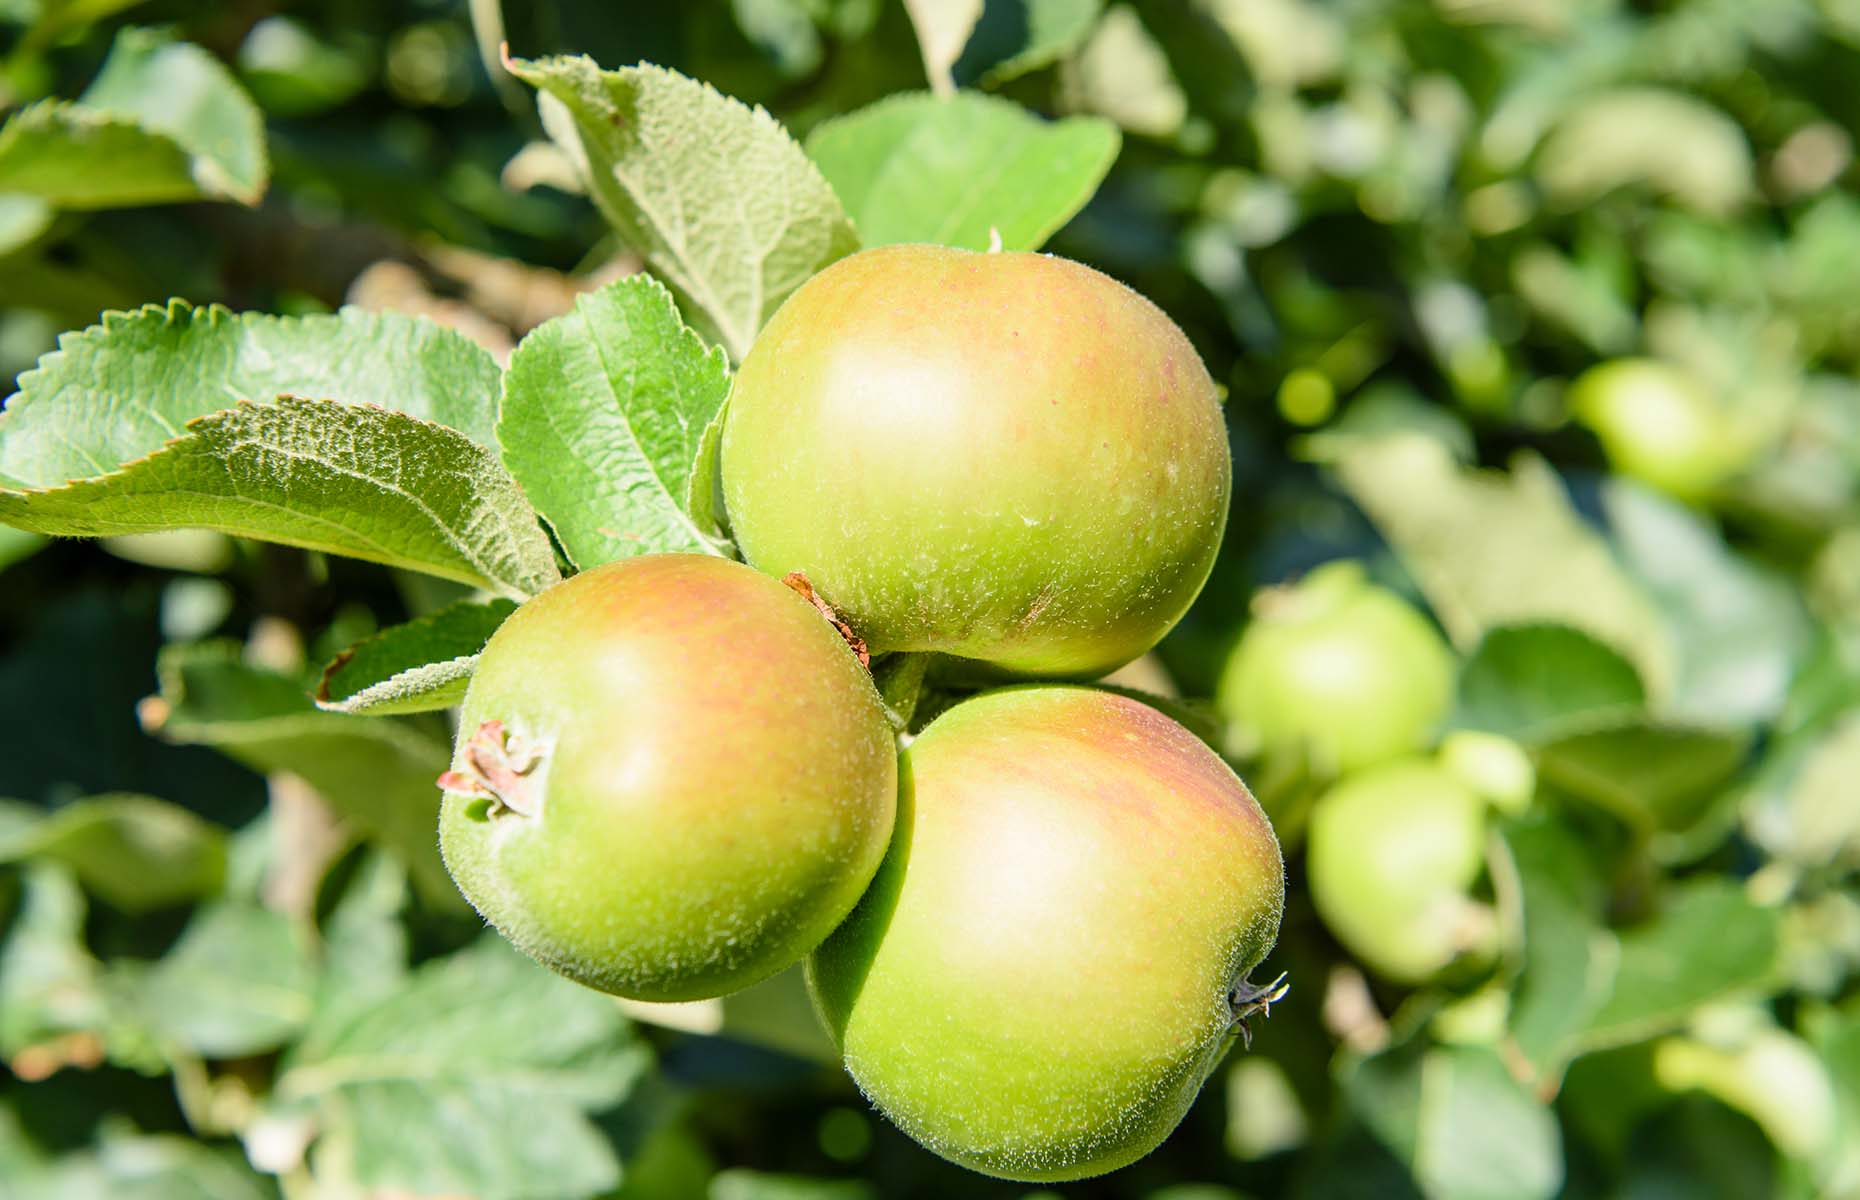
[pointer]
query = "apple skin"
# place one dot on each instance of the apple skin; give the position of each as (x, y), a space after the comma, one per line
(1659, 425)
(1390, 857)
(1040, 978)
(715, 788)
(1337, 668)
(1010, 458)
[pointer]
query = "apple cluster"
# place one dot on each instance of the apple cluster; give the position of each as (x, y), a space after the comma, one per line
(1344, 683)
(1030, 931)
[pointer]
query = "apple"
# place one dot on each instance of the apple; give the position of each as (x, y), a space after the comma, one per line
(1338, 669)
(1055, 953)
(1391, 856)
(672, 779)
(1008, 458)
(1660, 425)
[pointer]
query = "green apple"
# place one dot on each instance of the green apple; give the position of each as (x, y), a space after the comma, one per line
(672, 779)
(1055, 954)
(1002, 457)
(1391, 856)
(1660, 425)
(1338, 669)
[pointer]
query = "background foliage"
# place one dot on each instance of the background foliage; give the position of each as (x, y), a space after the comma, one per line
(231, 964)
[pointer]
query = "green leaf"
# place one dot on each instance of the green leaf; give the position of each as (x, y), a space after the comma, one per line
(953, 170)
(136, 852)
(163, 121)
(1663, 779)
(704, 500)
(1014, 37)
(472, 1078)
(414, 667)
(1569, 957)
(1740, 629)
(1492, 548)
(237, 983)
(1528, 682)
(1459, 1121)
(343, 478)
(122, 388)
(128, 1166)
(1710, 943)
(603, 421)
(715, 195)
(378, 772)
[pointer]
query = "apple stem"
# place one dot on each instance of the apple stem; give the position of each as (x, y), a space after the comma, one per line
(1247, 998)
(798, 582)
(497, 766)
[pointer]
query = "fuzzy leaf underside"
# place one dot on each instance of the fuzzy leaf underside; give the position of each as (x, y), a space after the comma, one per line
(721, 202)
(341, 478)
(120, 389)
(418, 666)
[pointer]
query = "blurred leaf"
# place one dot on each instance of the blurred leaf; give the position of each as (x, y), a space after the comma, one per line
(16, 545)
(343, 478)
(943, 28)
(1491, 548)
(955, 170)
(293, 73)
(1710, 942)
(1014, 37)
(1460, 1122)
(377, 772)
(1665, 780)
(237, 983)
(739, 1184)
(715, 195)
(1802, 807)
(417, 666)
(1569, 958)
(22, 220)
(122, 388)
(49, 983)
(1122, 74)
(1666, 140)
(163, 121)
(136, 852)
(1769, 1075)
(1529, 681)
(776, 1014)
(132, 1167)
(1740, 629)
(365, 942)
(473, 1077)
(1577, 296)
(603, 421)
